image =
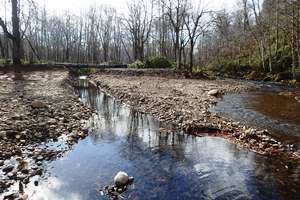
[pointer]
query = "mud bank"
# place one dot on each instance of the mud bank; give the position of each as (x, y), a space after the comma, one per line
(185, 103)
(36, 107)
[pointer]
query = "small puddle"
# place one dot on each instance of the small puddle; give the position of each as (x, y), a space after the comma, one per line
(265, 109)
(165, 166)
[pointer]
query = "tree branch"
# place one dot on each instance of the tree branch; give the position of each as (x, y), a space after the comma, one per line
(4, 27)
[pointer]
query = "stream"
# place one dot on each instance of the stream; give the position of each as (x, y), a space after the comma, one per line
(165, 166)
(265, 109)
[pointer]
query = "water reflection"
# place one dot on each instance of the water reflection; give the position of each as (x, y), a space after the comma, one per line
(165, 166)
(47, 190)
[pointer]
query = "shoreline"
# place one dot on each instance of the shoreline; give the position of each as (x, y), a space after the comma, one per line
(36, 108)
(187, 108)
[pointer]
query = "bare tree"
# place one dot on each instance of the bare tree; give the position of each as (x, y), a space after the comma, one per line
(139, 23)
(15, 36)
(195, 28)
(176, 12)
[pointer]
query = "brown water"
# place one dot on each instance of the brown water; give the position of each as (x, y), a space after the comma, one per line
(265, 109)
(276, 106)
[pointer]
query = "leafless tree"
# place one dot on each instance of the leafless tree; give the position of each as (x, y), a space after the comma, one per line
(15, 36)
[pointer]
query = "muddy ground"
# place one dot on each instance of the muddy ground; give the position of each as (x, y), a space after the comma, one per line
(36, 107)
(185, 103)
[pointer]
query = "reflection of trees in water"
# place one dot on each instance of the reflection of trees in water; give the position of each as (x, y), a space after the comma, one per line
(112, 118)
(141, 130)
(134, 121)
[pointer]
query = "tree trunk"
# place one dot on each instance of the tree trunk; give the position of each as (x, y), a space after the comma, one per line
(262, 49)
(277, 27)
(2, 49)
(270, 55)
(177, 49)
(293, 44)
(17, 52)
(191, 56)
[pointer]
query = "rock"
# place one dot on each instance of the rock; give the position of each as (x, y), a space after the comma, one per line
(25, 171)
(37, 104)
(121, 179)
(11, 175)
(40, 158)
(39, 163)
(52, 121)
(24, 197)
(16, 117)
(8, 168)
(2, 134)
(18, 137)
(36, 183)
(214, 92)
(164, 130)
(12, 196)
(286, 94)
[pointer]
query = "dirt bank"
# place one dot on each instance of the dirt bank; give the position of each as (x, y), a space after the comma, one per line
(185, 103)
(35, 107)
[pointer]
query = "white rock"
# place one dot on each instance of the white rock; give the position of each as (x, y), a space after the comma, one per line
(121, 179)
(213, 92)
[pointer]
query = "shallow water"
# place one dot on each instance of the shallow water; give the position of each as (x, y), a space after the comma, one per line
(265, 109)
(173, 166)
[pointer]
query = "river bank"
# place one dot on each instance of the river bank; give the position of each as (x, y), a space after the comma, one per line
(186, 103)
(36, 107)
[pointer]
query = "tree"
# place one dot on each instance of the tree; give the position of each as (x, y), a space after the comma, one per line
(195, 28)
(15, 36)
(139, 24)
(176, 12)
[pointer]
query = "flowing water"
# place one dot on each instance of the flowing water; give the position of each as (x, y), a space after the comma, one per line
(165, 166)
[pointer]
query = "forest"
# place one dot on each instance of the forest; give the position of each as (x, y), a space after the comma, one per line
(258, 38)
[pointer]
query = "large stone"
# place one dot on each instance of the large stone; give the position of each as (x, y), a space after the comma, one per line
(121, 179)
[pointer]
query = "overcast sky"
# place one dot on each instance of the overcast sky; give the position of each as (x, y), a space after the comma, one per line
(59, 6)
(77, 5)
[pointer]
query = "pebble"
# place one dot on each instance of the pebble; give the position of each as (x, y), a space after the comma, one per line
(214, 92)
(11, 175)
(8, 168)
(37, 104)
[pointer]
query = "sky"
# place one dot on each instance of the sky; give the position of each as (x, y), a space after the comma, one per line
(78, 5)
